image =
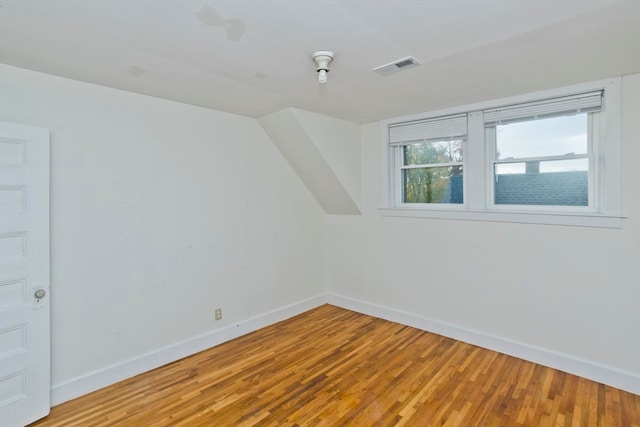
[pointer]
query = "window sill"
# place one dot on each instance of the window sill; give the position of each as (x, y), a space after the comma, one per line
(566, 219)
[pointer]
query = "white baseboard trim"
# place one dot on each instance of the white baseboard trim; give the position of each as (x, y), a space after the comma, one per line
(92, 381)
(624, 380)
(101, 378)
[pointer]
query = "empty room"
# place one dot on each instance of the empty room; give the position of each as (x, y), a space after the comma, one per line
(319, 213)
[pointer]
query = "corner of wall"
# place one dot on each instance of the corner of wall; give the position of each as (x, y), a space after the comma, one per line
(324, 152)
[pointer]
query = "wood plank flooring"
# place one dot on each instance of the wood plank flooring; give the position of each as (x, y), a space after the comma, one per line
(334, 367)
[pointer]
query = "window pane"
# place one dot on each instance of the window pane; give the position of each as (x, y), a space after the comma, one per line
(431, 152)
(555, 136)
(553, 182)
(433, 185)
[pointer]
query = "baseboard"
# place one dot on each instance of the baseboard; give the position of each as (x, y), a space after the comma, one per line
(104, 377)
(98, 379)
(624, 380)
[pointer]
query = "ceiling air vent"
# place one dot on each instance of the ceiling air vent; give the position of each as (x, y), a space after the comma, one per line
(400, 64)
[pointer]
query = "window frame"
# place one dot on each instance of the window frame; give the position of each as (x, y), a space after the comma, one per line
(593, 152)
(478, 156)
(397, 156)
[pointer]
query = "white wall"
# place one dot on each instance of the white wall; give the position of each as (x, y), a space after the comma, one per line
(339, 143)
(160, 212)
(567, 291)
(312, 143)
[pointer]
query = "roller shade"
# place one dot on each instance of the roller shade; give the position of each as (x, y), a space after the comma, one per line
(583, 103)
(432, 129)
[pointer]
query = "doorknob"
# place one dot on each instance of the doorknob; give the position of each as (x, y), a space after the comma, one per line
(40, 293)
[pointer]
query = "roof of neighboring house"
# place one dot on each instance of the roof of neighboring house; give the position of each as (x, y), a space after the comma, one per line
(548, 188)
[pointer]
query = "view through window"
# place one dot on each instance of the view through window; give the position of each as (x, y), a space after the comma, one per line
(542, 162)
(550, 157)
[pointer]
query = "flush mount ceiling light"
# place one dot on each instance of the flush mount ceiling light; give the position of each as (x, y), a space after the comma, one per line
(322, 58)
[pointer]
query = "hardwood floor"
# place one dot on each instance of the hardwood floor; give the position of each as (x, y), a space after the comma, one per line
(333, 367)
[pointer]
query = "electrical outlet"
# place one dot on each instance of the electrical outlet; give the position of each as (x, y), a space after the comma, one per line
(218, 313)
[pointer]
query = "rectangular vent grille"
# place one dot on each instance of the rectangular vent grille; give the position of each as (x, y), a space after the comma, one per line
(395, 66)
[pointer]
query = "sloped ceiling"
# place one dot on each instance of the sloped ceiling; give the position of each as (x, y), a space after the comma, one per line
(253, 57)
(301, 144)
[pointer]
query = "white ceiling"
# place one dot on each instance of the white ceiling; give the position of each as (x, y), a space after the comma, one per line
(252, 57)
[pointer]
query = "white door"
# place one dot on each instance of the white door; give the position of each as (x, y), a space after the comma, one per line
(24, 274)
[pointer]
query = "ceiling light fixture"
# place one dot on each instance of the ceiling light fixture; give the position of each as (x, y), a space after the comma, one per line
(322, 58)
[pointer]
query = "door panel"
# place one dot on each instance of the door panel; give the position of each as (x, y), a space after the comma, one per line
(24, 269)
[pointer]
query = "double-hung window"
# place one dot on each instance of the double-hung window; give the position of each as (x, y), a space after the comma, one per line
(543, 153)
(551, 157)
(429, 156)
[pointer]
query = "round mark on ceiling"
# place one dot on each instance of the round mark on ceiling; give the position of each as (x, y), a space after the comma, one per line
(135, 71)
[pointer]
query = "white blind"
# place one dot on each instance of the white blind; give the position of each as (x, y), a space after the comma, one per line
(432, 129)
(583, 103)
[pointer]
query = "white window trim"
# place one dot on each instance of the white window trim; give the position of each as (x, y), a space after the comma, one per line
(478, 207)
(594, 172)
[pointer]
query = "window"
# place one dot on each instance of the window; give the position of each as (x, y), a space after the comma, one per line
(543, 152)
(430, 159)
(430, 170)
(550, 157)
